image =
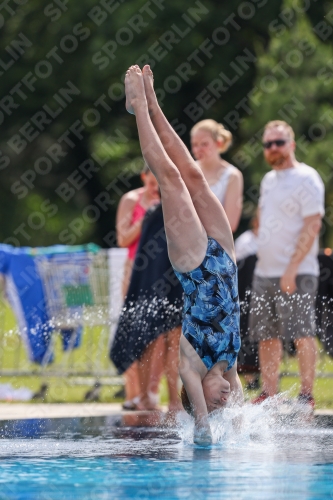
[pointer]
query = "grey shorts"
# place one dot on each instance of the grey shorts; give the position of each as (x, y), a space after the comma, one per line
(274, 314)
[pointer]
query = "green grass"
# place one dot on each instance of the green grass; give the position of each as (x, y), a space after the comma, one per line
(92, 357)
(323, 387)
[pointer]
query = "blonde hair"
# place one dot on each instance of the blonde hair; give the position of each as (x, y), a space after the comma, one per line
(281, 123)
(217, 131)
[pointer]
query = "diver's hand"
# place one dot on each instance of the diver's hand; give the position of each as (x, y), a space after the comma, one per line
(202, 434)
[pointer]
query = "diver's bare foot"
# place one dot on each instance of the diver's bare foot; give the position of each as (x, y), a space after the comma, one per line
(134, 89)
(148, 79)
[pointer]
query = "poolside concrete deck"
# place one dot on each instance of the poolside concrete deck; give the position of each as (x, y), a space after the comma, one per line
(19, 411)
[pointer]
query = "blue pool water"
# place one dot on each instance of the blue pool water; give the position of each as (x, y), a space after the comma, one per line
(269, 457)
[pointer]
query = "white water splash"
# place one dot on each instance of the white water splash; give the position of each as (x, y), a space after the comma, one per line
(265, 426)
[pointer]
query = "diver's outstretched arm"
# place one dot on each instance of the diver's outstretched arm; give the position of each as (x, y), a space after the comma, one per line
(191, 375)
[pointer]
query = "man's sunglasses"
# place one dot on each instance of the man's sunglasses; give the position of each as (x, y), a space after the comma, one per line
(278, 142)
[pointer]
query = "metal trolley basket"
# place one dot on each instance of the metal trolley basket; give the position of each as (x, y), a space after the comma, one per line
(82, 297)
(77, 294)
(76, 288)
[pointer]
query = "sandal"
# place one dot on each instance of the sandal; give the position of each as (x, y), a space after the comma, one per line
(131, 404)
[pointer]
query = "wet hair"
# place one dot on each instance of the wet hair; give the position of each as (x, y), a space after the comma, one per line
(217, 131)
(186, 402)
(281, 123)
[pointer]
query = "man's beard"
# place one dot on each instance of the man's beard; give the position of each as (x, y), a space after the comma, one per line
(277, 161)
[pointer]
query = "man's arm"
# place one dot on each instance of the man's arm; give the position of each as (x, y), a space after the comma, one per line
(308, 234)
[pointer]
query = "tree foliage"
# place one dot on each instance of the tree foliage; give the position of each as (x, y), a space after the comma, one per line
(69, 149)
(294, 83)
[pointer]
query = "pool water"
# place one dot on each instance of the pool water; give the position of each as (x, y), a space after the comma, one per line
(267, 456)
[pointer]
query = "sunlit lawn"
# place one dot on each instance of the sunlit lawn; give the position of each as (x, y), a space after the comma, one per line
(323, 388)
(92, 358)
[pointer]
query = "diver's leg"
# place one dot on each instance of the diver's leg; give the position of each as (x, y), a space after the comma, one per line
(186, 236)
(208, 207)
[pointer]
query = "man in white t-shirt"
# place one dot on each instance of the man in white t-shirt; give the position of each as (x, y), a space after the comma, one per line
(291, 207)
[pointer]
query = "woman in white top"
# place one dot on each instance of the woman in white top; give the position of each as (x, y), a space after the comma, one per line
(209, 140)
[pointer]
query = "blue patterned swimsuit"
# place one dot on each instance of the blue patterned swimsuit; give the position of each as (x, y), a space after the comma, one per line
(211, 307)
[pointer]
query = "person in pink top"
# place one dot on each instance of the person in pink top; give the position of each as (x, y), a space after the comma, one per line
(131, 211)
(137, 216)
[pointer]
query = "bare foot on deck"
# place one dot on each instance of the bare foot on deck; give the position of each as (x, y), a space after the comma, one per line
(147, 404)
(134, 89)
(148, 79)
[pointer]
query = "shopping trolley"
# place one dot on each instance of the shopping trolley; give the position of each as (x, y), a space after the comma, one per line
(76, 287)
(81, 293)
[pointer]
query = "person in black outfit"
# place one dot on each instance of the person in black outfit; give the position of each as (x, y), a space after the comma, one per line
(324, 310)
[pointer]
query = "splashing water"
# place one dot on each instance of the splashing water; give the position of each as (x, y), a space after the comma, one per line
(279, 424)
